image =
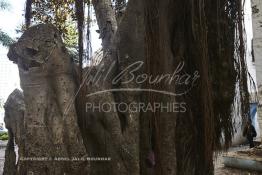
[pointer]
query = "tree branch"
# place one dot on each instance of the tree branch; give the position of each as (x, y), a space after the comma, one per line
(106, 22)
(80, 26)
(28, 13)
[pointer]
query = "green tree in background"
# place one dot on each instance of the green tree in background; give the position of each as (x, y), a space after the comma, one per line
(60, 14)
(4, 4)
(5, 39)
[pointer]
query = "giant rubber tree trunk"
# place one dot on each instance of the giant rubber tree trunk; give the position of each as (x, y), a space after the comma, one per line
(51, 129)
(164, 36)
(207, 37)
(116, 134)
(161, 61)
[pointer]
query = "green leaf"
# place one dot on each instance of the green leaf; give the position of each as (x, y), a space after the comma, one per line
(4, 5)
(5, 40)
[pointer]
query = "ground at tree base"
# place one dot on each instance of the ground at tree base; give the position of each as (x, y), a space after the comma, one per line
(219, 167)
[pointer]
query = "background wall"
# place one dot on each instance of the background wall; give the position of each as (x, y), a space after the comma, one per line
(257, 46)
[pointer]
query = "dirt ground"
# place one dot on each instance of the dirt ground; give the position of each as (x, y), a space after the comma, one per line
(219, 167)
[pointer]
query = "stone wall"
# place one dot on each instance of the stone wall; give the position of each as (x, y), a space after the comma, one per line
(257, 45)
(260, 110)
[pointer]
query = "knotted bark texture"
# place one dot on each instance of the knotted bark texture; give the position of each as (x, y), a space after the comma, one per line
(50, 120)
(14, 122)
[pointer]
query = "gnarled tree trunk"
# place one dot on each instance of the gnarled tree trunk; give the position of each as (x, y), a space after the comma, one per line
(162, 35)
(14, 122)
(51, 130)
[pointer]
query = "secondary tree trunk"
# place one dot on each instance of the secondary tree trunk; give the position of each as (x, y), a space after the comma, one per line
(14, 122)
(106, 21)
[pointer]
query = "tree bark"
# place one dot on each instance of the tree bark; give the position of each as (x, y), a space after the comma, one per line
(14, 122)
(116, 134)
(79, 4)
(161, 34)
(28, 13)
(51, 129)
(120, 8)
(106, 21)
(160, 60)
